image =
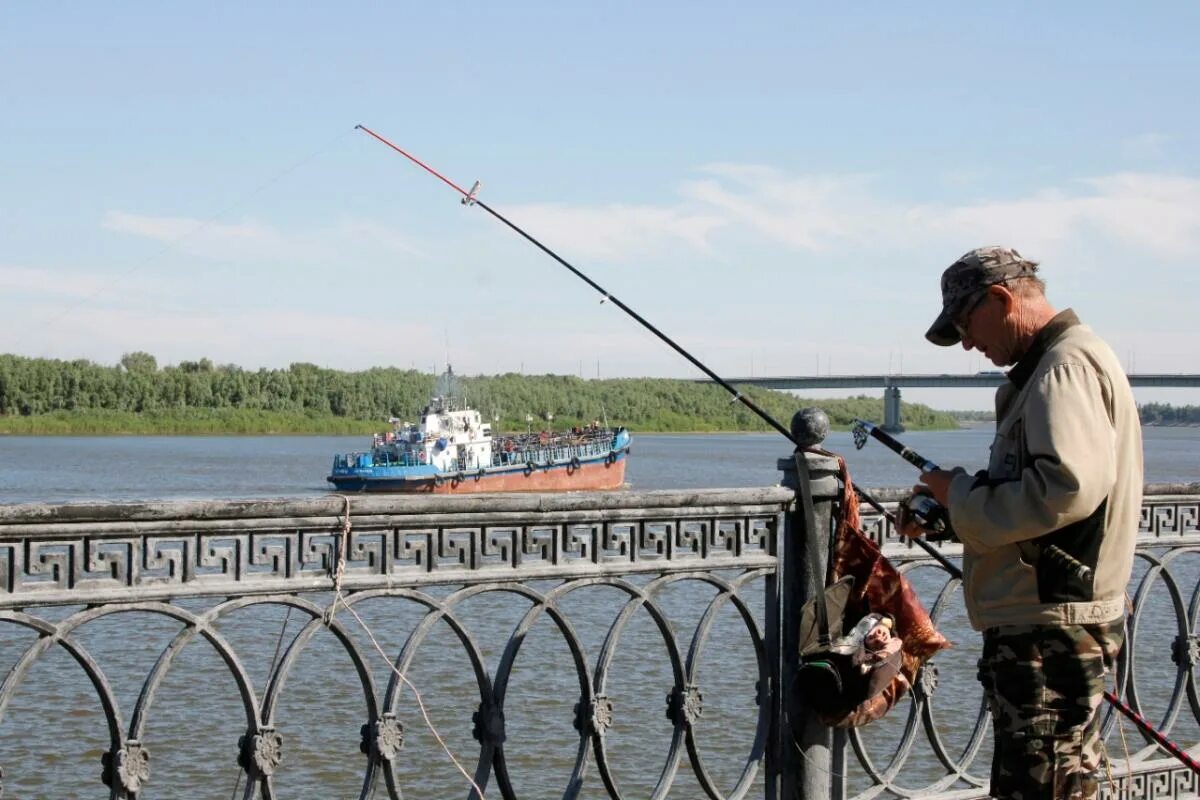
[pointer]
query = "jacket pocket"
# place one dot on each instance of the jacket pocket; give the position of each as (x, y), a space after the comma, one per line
(1008, 450)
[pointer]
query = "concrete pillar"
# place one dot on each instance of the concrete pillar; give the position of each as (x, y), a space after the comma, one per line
(891, 410)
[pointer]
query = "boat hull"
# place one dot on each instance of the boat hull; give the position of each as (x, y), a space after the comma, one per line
(608, 473)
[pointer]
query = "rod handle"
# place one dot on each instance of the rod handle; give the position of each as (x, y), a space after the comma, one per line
(1068, 562)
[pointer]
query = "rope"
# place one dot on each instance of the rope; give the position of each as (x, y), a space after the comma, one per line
(279, 641)
(339, 569)
(1112, 781)
(338, 597)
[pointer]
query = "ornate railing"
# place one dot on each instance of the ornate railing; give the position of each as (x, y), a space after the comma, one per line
(202, 566)
(622, 644)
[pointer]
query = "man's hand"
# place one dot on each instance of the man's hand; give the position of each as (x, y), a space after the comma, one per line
(907, 523)
(937, 483)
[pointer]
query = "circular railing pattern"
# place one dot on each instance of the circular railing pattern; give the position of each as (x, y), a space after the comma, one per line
(263, 745)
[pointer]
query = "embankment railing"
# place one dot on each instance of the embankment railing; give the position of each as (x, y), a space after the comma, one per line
(692, 603)
(198, 565)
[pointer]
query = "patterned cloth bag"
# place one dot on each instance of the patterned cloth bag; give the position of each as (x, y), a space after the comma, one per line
(860, 583)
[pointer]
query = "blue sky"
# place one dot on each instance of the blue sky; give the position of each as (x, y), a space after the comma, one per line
(776, 185)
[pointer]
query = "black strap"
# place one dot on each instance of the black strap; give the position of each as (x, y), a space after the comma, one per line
(804, 498)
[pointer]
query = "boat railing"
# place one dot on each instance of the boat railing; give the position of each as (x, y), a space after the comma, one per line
(558, 454)
(386, 457)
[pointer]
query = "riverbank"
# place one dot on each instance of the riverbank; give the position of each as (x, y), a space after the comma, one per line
(192, 422)
(241, 422)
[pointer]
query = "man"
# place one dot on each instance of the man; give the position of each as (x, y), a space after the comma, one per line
(1065, 470)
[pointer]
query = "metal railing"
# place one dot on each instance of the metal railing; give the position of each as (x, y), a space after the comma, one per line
(198, 567)
(687, 648)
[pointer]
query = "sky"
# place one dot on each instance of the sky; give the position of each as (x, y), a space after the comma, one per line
(776, 186)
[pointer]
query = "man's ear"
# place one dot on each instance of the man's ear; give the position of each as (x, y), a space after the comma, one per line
(1005, 295)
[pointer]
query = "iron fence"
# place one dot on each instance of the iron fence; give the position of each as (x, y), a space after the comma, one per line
(198, 565)
(697, 578)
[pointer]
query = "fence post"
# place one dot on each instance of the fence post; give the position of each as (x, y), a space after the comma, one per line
(801, 747)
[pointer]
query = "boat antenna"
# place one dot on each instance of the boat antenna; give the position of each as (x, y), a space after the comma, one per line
(471, 198)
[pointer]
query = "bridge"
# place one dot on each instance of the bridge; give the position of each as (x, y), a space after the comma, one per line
(893, 383)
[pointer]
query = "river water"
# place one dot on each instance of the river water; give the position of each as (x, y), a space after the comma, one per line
(59, 469)
(52, 735)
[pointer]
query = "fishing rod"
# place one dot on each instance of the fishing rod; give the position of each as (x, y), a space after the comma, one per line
(470, 198)
(1144, 724)
(934, 517)
(804, 425)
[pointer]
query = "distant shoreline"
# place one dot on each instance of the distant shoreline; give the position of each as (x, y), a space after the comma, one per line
(6, 433)
(128, 424)
(107, 426)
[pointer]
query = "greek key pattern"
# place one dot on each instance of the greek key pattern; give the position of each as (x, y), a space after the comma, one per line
(99, 566)
(1164, 521)
(1169, 781)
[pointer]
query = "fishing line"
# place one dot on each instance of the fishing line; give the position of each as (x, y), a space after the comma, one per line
(340, 570)
(175, 244)
(471, 199)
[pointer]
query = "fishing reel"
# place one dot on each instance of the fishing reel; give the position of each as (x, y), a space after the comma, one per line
(932, 516)
(861, 432)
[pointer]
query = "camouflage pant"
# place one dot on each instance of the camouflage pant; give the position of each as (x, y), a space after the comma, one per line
(1044, 684)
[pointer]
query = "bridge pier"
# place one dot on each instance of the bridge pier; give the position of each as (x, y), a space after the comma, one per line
(891, 410)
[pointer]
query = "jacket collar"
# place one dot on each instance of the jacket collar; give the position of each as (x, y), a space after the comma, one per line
(1022, 371)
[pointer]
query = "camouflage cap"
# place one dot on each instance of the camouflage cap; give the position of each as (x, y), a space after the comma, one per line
(965, 280)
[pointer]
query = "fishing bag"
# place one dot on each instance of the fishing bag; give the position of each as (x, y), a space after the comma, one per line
(859, 582)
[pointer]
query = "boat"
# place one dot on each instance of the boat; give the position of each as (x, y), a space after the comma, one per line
(452, 450)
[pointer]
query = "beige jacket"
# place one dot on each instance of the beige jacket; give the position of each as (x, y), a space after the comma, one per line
(1066, 469)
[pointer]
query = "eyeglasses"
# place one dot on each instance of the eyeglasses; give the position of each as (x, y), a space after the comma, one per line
(963, 321)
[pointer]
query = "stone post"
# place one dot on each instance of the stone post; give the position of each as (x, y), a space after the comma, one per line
(804, 759)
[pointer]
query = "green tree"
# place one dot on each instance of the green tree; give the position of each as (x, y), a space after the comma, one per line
(139, 362)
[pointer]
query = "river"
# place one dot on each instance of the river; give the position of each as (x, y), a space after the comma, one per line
(60, 469)
(52, 735)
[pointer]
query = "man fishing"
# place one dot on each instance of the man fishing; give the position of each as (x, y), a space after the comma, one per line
(1065, 470)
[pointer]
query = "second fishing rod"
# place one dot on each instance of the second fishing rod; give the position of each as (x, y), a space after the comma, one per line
(470, 198)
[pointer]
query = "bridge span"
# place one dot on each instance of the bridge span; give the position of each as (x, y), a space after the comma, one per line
(893, 383)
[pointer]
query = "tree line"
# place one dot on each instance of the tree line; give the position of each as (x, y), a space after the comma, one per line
(200, 396)
(1163, 414)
